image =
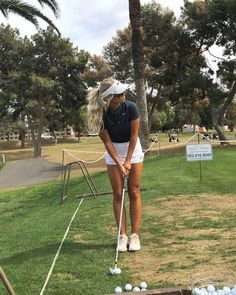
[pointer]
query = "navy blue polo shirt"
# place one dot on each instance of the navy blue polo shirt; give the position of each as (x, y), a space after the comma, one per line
(117, 122)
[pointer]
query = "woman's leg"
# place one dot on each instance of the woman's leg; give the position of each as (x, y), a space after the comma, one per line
(117, 186)
(135, 196)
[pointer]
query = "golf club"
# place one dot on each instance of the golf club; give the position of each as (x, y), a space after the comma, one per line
(116, 270)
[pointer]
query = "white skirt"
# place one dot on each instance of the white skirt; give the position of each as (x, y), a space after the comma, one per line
(122, 149)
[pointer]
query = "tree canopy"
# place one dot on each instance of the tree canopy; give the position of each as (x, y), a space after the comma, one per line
(211, 23)
(41, 79)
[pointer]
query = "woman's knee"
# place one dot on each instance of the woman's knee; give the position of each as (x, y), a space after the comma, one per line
(134, 193)
(117, 196)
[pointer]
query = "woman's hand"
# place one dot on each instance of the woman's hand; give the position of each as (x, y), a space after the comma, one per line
(123, 171)
(127, 166)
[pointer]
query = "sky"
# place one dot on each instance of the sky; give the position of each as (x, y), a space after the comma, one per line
(89, 24)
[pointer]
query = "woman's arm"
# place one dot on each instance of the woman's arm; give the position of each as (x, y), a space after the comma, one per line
(112, 151)
(134, 128)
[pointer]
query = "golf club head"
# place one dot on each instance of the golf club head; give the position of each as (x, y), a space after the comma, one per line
(115, 270)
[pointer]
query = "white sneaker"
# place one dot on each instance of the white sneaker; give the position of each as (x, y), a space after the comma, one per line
(134, 243)
(123, 241)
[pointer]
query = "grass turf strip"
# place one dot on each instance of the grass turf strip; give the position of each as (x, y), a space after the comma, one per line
(176, 240)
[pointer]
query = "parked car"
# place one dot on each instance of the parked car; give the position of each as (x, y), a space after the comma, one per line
(92, 133)
(88, 133)
(46, 136)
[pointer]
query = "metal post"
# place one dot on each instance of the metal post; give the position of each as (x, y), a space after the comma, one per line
(200, 162)
(63, 171)
(87, 177)
(6, 282)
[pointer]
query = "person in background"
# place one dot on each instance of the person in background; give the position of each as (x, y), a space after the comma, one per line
(116, 120)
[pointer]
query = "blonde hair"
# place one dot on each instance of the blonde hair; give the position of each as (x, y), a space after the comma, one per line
(96, 105)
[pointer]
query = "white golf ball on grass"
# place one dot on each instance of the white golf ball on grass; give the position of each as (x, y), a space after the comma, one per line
(128, 287)
(136, 289)
(143, 285)
(118, 290)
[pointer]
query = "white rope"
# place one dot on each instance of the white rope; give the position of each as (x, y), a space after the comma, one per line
(215, 140)
(92, 162)
(155, 141)
(59, 249)
(86, 162)
(178, 143)
(84, 152)
(145, 151)
(191, 137)
(219, 141)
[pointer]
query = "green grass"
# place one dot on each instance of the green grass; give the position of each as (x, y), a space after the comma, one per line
(33, 223)
(175, 175)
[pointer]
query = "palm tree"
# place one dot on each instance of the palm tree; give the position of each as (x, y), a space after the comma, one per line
(29, 12)
(138, 61)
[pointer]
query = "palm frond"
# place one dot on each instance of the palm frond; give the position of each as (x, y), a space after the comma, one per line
(3, 12)
(52, 4)
(27, 11)
(19, 8)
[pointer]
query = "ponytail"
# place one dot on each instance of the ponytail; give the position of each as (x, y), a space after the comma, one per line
(95, 111)
(96, 105)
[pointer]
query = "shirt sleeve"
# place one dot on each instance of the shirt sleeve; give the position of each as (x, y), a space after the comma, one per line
(133, 111)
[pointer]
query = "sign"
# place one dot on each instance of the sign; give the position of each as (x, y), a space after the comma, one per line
(199, 152)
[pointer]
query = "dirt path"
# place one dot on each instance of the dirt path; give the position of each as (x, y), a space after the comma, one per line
(28, 172)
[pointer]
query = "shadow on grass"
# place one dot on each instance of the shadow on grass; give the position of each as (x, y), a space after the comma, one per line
(50, 249)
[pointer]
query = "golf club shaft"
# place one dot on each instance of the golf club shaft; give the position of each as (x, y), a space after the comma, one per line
(120, 220)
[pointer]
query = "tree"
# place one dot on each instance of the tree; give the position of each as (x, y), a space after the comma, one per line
(173, 67)
(231, 116)
(44, 80)
(29, 12)
(7, 125)
(96, 70)
(138, 62)
(213, 23)
(118, 55)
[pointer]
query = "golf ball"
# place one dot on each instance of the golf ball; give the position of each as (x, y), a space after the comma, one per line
(128, 287)
(136, 289)
(204, 291)
(210, 288)
(196, 291)
(143, 285)
(117, 271)
(118, 290)
(226, 290)
(143, 289)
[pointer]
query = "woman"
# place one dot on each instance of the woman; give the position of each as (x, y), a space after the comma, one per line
(117, 122)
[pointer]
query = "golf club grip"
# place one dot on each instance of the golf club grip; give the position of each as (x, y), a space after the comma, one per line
(125, 182)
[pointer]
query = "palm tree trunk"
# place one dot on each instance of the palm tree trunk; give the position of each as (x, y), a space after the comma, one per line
(138, 61)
